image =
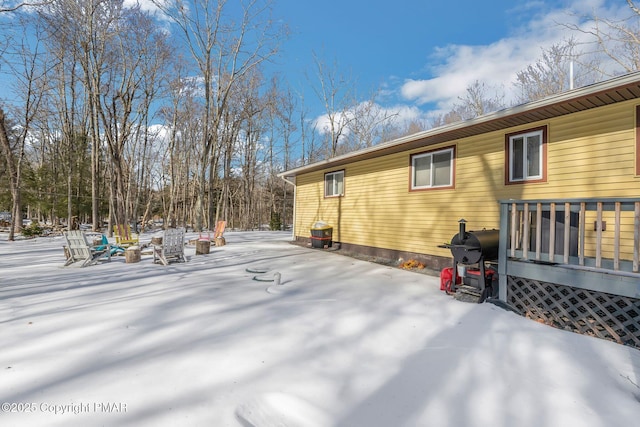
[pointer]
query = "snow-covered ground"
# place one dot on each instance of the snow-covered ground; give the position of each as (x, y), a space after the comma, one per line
(340, 342)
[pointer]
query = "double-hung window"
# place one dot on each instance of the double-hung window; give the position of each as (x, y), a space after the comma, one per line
(334, 184)
(433, 169)
(526, 156)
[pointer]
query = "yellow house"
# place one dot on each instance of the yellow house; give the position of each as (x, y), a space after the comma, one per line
(574, 157)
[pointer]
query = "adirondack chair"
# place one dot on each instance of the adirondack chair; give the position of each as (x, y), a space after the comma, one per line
(124, 236)
(104, 244)
(217, 232)
(82, 252)
(171, 248)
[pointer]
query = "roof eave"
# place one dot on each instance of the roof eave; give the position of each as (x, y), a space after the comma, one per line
(405, 142)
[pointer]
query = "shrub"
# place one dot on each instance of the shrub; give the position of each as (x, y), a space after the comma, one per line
(32, 230)
(276, 222)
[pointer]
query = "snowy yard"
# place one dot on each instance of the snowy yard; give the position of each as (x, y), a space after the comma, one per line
(341, 342)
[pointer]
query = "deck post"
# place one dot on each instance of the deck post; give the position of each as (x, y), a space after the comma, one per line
(538, 230)
(636, 237)
(582, 232)
(567, 232)
(525, 231)
(599, 235)
(514, 224)
(552, 232)
(503, 248)
(616, 238)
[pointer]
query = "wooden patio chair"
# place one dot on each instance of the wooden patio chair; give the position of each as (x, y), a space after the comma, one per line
(217, 232)
(124, 236)
(82, 252)
(115, 249)
(171, 248)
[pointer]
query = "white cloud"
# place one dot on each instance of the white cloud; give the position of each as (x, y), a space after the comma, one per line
(145, 5)
(159, 132)
(496, 64)
(322, 123)
(400, 115)
(404, 113)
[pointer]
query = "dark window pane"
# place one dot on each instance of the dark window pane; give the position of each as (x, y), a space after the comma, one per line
(338, 184)
(422, 171)
(533, 156)
(328, 185)
(442, 169)
(517, 158)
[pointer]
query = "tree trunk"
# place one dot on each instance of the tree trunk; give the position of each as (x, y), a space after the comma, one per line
(14, 178)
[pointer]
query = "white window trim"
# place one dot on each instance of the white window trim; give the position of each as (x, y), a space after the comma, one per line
(525, 173)
(333, 174)
(430, 154)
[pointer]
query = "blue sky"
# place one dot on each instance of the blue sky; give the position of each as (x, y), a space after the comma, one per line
(382, 42)
(421, 55)
(424, 54)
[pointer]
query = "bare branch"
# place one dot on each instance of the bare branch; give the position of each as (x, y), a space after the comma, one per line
(21, 5)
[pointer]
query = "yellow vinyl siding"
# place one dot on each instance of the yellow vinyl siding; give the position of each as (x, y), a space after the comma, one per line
(589, 154)
(626, 229)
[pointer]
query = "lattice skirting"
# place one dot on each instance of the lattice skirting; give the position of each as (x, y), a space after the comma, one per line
(599, 314)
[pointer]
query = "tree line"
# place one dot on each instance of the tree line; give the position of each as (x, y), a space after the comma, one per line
(93, 78)
(125, 116)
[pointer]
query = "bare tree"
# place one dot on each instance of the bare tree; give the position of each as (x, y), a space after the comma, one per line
(414, 126)
(334, 91)
(27, 71)
(479, 99)
(283, 131)
(13, 166)
(183, 124)
(6, 6)
(617, 41)
(120, 52)
(88, 27)
(101, 81)
(370, 124)
(68, 128)
(137, 54)
(309, 150)
(156, 54)
(250, 147)
(551, 73)
(224, 51)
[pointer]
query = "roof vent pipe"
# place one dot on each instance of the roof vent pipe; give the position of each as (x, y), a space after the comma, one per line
(571, 75)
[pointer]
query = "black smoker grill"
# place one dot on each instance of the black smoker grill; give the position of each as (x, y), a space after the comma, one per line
(471, 248)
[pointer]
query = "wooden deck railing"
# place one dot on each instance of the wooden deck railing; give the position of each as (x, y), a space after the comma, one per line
(573, 264)
(597, 233)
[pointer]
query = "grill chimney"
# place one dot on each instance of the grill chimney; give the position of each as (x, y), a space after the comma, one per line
(463, 229)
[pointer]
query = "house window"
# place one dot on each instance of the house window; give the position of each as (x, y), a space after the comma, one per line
(432, 170)
(526, 156)
(334, 184)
